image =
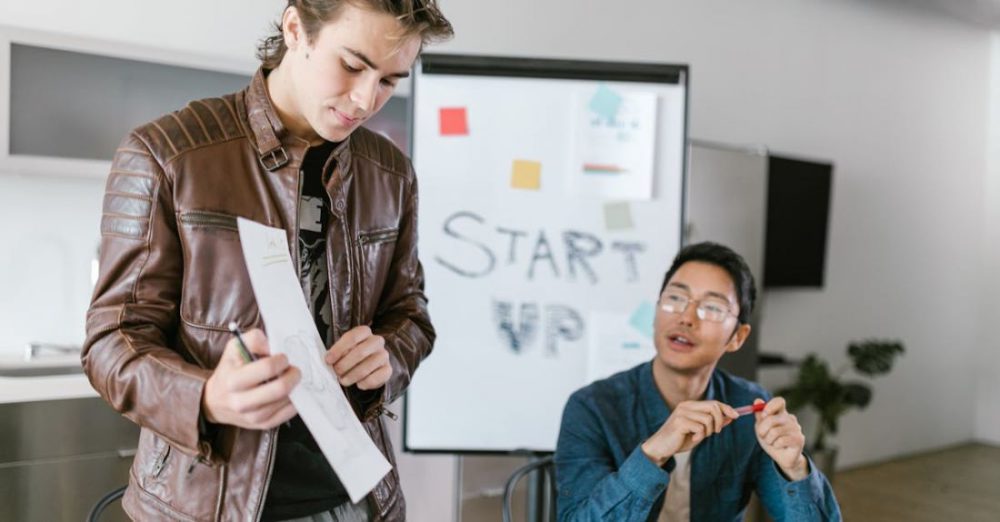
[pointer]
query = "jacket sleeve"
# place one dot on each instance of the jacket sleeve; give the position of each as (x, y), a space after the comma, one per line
(133, 314)
(401, 316)
(589, 486)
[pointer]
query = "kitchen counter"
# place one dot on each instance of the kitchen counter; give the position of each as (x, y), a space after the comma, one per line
(29, 389)
(42, 379)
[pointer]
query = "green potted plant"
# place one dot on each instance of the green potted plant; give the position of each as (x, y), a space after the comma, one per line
(831, 396)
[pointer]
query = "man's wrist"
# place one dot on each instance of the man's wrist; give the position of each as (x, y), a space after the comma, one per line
(799, 470)
(206, 428)
(206, 411)
(657, 457)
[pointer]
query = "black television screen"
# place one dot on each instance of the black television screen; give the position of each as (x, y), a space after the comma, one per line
(798, 209)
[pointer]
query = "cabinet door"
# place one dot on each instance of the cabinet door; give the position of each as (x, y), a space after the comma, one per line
(58, 458)
(68, 104)
(62, 490)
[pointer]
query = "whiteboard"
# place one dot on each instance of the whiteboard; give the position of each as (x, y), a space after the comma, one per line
(540, 279)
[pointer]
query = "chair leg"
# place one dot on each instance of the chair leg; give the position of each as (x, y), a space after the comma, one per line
(106, 500)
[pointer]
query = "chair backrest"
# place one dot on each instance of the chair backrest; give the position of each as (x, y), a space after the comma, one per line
(541, 498)
(106, 500)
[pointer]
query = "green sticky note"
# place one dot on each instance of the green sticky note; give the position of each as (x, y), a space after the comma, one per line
(606, 102)
(642, 319)
(618, 215)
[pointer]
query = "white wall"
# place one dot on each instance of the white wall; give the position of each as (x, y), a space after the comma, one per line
(988, 418)
(897, 97)
(49, 235)
(51, 225)
(228, 28)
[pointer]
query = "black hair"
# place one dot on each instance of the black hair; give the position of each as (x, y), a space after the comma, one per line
(726, 259)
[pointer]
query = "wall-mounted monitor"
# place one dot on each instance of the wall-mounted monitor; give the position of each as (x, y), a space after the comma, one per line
(798, 211)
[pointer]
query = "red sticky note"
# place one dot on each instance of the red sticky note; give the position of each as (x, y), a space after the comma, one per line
(454, 122)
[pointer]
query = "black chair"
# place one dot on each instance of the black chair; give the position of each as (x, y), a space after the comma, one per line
(544, 494)
(106, 500)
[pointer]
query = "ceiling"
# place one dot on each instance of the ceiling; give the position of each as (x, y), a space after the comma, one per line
(984, 13)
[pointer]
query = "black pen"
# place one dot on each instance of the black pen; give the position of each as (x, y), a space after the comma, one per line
(245, 351)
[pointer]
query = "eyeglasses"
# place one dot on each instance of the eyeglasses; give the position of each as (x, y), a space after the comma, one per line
(709, 309)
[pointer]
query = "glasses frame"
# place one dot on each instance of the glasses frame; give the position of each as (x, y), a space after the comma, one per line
(699, 311)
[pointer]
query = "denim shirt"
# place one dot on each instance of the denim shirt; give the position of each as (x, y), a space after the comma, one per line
(602, 473)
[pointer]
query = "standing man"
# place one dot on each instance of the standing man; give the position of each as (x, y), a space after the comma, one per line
(288, 152)
(663, 441)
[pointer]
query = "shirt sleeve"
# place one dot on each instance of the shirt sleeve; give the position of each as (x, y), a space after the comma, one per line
(808, 499)
(589, 485)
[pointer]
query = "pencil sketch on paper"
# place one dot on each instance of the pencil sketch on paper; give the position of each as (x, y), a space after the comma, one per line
(320, 384)
(317, 377)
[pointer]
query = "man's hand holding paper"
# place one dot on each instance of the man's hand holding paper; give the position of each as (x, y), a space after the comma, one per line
(252, 395)
(359, 357)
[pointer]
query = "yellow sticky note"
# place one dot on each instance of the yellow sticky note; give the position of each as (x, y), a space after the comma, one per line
(526, 175)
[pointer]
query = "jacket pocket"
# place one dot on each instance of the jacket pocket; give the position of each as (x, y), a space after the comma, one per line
(216, 287)
(387, 494)
(175, 481)
(151, 459)
(209, 219)
(378, 236)
(375, 251)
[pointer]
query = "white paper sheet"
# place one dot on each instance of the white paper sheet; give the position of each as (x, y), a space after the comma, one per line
(615, 345)
(613, 157)
(290, 330)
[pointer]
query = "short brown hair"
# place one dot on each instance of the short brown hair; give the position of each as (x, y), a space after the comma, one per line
(417, 17)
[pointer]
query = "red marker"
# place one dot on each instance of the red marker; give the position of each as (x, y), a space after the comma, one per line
(751, 408)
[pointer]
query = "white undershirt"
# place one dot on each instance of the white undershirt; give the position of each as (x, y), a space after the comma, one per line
(677, 505)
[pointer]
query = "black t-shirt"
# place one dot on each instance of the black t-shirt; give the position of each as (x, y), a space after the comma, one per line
(303, 483)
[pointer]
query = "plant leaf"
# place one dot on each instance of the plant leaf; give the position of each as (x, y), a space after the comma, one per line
(874, 357)
(857, 394)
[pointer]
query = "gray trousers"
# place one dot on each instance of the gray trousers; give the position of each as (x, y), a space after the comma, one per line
(345, 512)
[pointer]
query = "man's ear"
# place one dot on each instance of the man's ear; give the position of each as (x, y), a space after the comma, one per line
(291, 28)
(738, 338)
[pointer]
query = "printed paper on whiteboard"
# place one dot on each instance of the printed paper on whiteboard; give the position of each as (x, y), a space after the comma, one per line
(615, 345)
(613, 157)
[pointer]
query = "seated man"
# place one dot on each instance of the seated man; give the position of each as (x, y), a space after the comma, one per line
(663, 441)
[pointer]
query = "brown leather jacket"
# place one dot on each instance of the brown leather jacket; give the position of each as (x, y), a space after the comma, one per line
(172, 277)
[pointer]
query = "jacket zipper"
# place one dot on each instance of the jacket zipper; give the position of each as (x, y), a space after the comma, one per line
(380, 236)
(372, 238)
(270, 470)
(295, 237)
(161, 462)
(211, 219)
(354, 272)
(335, 324)
(358, 283)
(298, 274)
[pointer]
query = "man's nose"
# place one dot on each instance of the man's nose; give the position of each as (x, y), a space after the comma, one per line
(363, 95)
(690, 314)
